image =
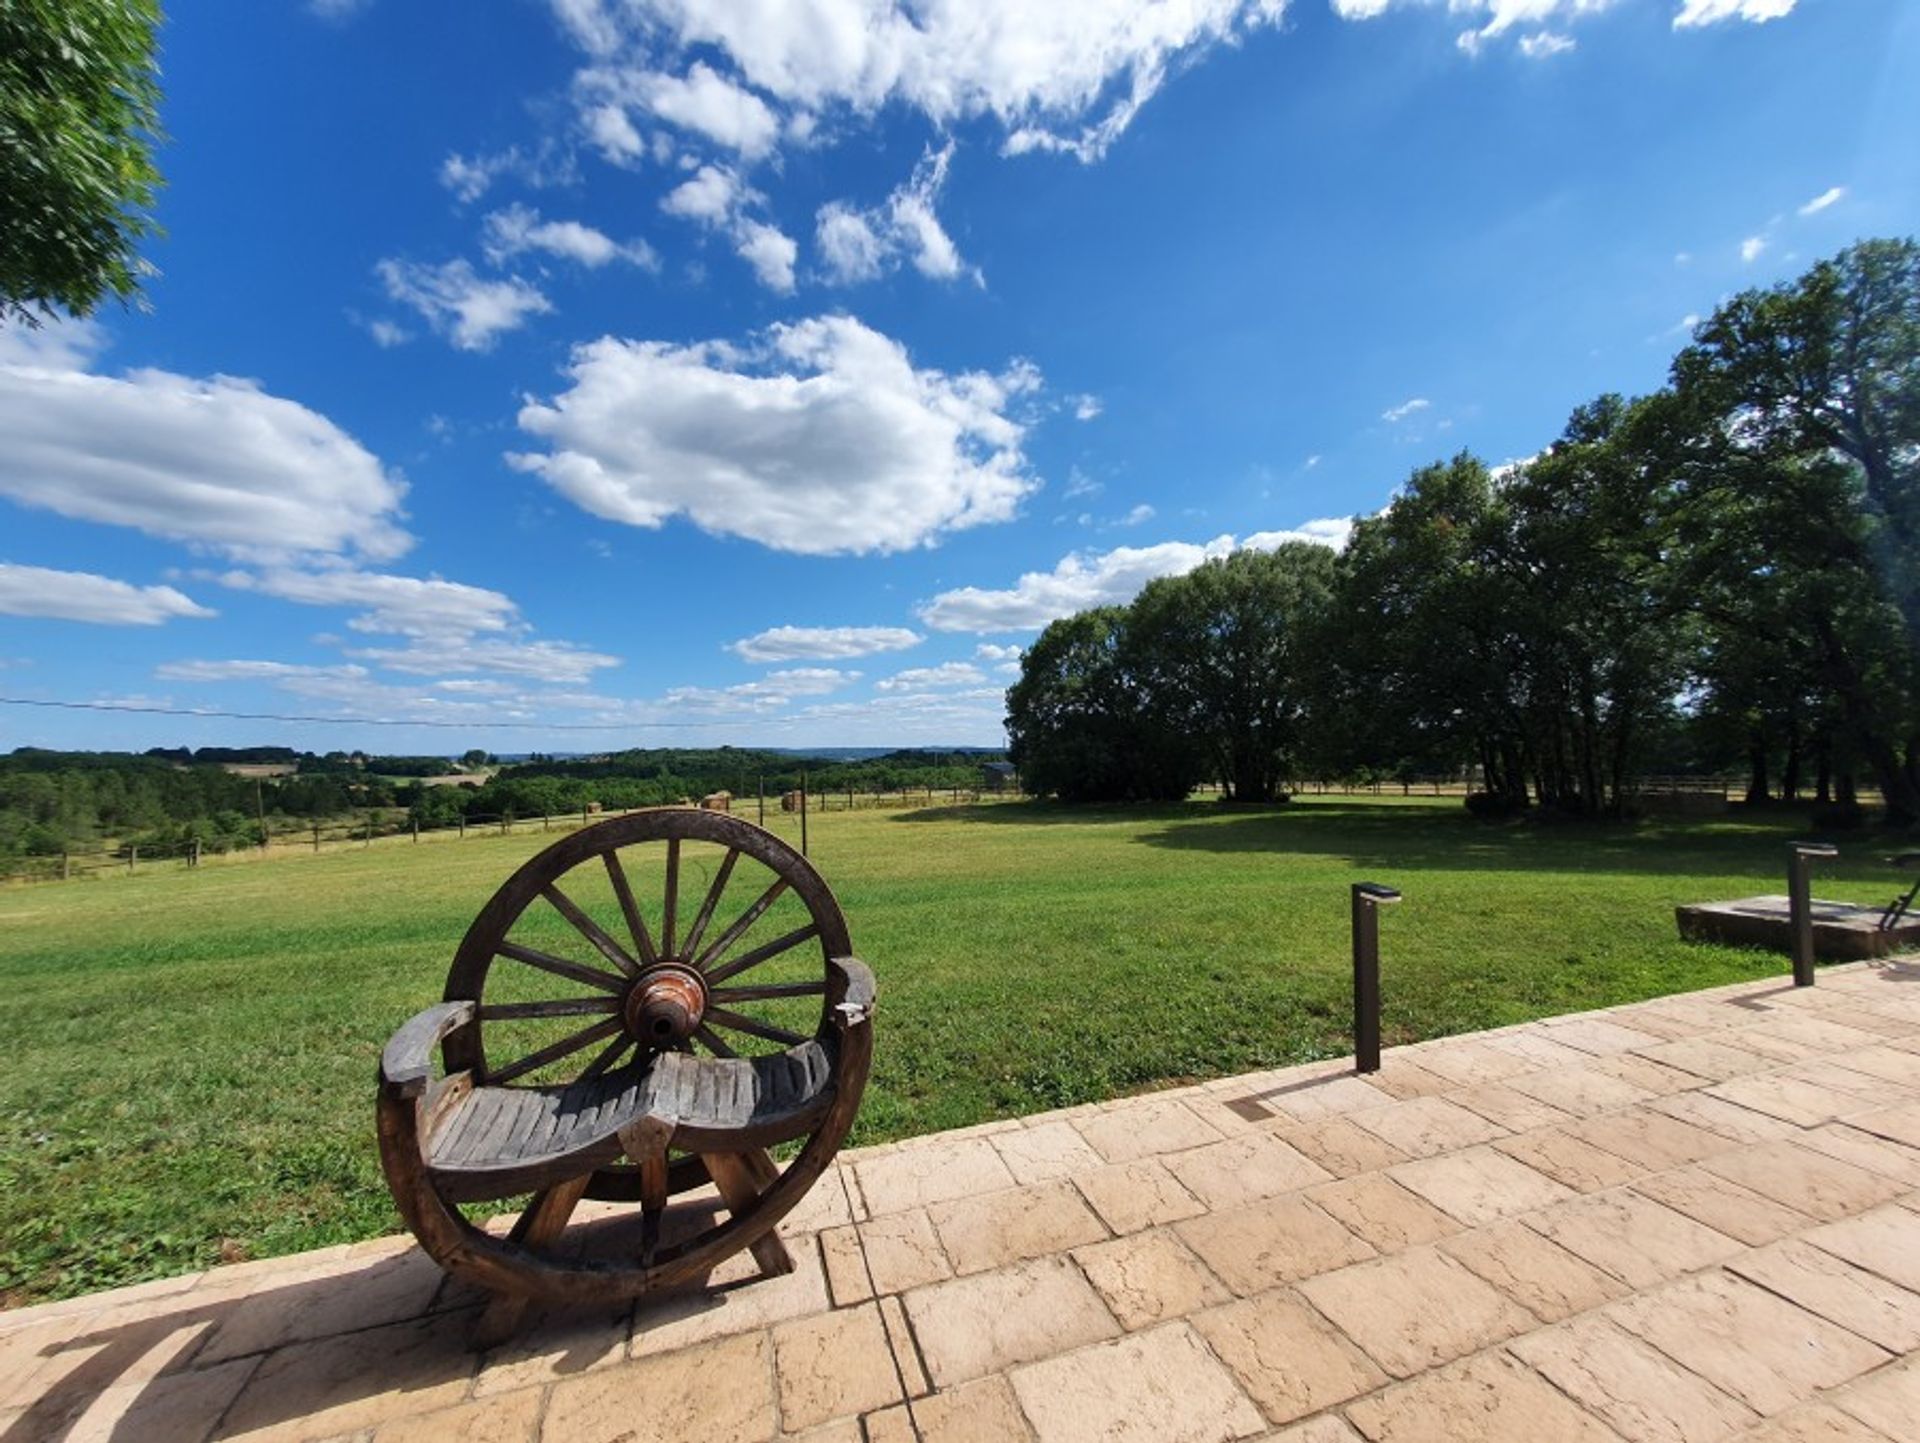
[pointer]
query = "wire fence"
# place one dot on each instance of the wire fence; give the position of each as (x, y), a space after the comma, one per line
(391, 827)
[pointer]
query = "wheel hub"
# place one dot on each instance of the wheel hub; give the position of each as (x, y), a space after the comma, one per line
(665, 1005)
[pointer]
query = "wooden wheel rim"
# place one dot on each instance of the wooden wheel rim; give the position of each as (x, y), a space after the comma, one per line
(540, 875)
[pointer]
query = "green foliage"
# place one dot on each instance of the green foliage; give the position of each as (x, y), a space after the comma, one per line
(79, 117)
(1081, 725)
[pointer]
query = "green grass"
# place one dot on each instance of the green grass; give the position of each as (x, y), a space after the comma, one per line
(189, 1056)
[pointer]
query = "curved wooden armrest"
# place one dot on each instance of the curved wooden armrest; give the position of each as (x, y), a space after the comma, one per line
(850, 992)
(407, 1062)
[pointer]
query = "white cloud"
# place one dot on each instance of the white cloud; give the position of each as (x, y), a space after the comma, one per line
(395, 605)
(518, 229)
(215, 462)
(716, 197)
(470, 177)
(770, 252)
(1107, 578)
(1079, 581)
(1328, 531)
(924, 678)
(1312, 461)
(1086, 407)
(1405, 409)
(60, 344)
(1079, 483)
(83, 596)
(470, 311)
(251, 671)
(1695, 13)
(768, 694)
(702, 101)
(1140, 514)
(546, 661)
(1751, 248)
(712, 195)
(1063, 76)
(850, 243)
(1826, 198)
(820, 437)
(386, 335)
(1498, 18)
(990, 651)
(822, 643)
(1543, 44)
(860, 245)
(866, 244)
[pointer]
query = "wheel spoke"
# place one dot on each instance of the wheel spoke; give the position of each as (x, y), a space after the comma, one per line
(673, 897)
(699, 927)
(590, 929)
(740, 1022)
(714, 1044)
(555, 1051)
(745, 920)
(605, 1061)
(636, 924)
(560, 1007)
(774, 989)
(560, 967)
(762, 953)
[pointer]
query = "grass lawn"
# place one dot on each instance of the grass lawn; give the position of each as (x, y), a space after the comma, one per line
(189, 1056)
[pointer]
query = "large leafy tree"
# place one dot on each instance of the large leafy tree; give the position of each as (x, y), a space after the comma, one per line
(79, 115)
(1801, 491)
(1226, 653)
(1078, 723)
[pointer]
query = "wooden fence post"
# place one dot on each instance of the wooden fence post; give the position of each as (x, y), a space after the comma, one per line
(416, 831)
(133, 855)
(463, 826)
(193, 857)
(66, 867)
(316, 836)
(803, 814)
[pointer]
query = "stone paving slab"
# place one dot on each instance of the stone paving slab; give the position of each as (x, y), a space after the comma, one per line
(1678, 1221)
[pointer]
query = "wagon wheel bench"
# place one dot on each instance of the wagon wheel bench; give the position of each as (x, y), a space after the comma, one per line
(665, 1069)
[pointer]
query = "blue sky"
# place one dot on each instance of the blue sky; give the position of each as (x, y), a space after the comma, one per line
(656, 372)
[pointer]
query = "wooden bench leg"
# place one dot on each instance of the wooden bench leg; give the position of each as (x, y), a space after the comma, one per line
(737, 1175)
(539, 1225)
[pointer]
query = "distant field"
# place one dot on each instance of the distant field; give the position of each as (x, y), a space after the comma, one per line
(189, 1056)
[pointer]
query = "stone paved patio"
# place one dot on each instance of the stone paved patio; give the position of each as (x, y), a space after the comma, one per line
(1689, 1219)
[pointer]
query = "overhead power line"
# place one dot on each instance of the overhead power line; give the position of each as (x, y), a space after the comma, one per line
(371, 721)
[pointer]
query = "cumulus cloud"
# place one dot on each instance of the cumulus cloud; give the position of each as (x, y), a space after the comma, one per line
(468, 309)
(1695, 13)
(1752, 247)
(1086, 407)
(1394, 414)
(61, 344)
(83, 596)
(1106, 578)
(701, 101)
(859, 245)
(716, 197)
(547, 661)
(1820, 202)
(394, 605)
(822, 643)
(250, 671)
(925, 678)
(1067, 76)
(518, 229)
(820, 437)
(217, 462)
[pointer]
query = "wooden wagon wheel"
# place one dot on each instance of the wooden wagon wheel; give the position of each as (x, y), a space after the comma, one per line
(662, 936)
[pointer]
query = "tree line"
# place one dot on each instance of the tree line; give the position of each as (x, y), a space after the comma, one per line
(53, 802)
(1724, 574)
